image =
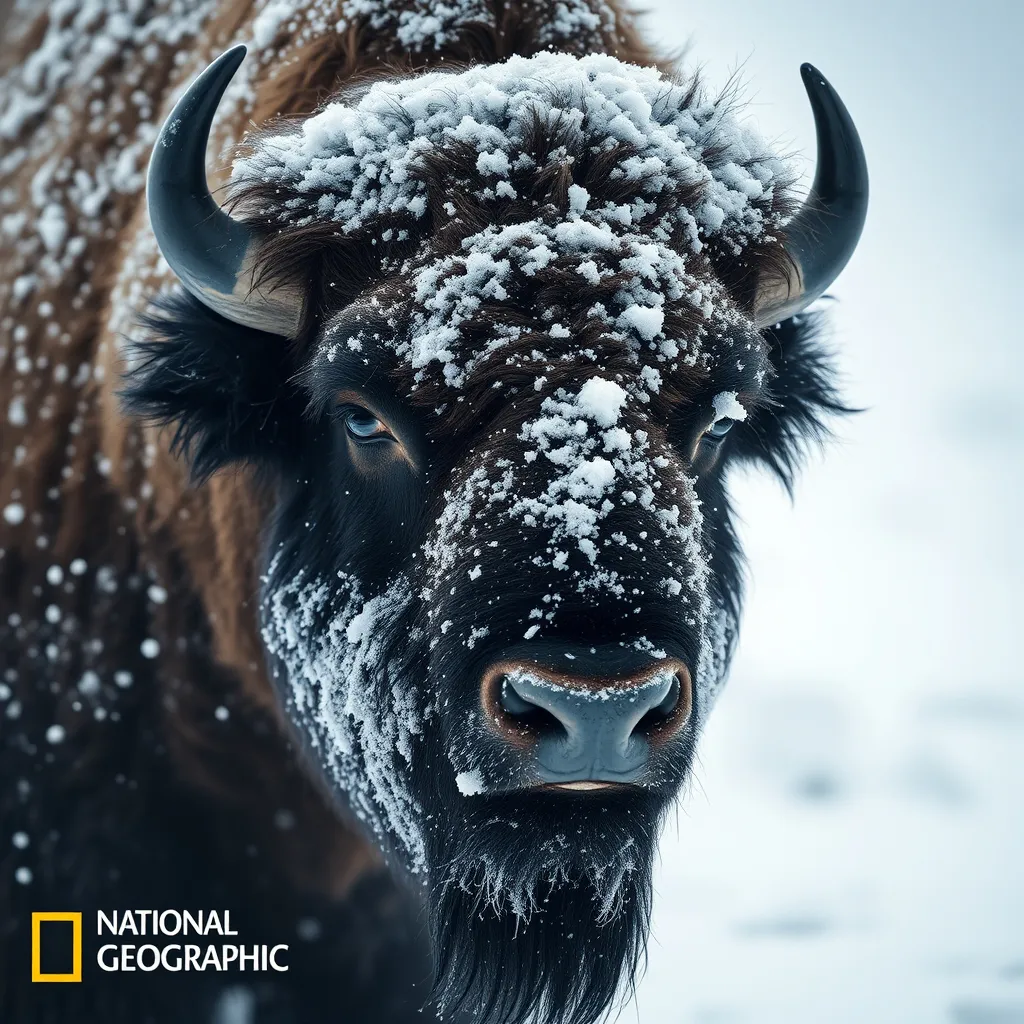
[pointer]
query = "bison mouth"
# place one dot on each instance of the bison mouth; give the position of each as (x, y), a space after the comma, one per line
(583, 786)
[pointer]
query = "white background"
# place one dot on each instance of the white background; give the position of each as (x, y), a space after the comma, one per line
(852, 849)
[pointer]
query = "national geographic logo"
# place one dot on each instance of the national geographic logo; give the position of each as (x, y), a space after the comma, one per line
(56, 951)
(146, 940)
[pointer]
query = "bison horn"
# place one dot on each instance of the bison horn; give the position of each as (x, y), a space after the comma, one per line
(821, 237)
(213, 255)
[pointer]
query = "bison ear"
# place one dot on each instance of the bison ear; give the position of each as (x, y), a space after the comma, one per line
(803, 397)
(225, 388)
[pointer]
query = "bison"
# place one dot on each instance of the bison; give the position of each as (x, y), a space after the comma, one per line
(367, 568)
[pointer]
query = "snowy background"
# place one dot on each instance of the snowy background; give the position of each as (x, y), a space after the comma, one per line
(853, 847)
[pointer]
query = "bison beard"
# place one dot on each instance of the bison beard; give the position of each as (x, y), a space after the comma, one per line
(546, 929)
(549, 929)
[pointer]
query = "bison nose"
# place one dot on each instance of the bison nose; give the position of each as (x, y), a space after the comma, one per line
(581, 729)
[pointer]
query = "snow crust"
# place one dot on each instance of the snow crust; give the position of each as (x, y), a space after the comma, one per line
(587, 462)
(727, 407)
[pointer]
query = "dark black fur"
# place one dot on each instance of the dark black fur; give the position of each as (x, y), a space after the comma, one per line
(227, 397)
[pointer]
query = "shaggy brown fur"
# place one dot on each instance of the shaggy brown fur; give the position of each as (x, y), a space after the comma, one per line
(104, 551)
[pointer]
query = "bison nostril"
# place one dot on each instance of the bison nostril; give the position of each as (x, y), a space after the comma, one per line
(662, 712)
(525, 712)
(513, 702)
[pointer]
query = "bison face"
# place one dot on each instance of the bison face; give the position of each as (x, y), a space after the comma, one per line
(527, 575)
(500, 584)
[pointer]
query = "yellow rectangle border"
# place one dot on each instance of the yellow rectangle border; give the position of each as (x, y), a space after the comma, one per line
(75, 917)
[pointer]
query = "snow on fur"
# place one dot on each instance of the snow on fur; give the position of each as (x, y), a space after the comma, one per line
(588, 463)
(357, 161)
(450, 290)
(333, 669)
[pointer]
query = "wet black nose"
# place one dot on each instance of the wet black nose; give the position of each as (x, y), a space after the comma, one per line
(580, 729)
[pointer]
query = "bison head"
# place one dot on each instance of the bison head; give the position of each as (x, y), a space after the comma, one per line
(493, 337)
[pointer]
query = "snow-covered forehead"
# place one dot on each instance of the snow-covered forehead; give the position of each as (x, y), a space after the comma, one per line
(626, 282)
(359, 161)
(654, 179)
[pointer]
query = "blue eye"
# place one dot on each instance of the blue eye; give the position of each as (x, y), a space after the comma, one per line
(364, 426)
(719, 428)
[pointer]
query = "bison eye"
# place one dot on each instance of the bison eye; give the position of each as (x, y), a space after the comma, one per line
(364, 426)
(719, 429)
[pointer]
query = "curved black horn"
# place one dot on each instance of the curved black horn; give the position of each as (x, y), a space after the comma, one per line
(821, 238)
(212, 254)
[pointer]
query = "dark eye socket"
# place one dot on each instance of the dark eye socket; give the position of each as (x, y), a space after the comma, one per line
(362, 425)
(719, 429)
